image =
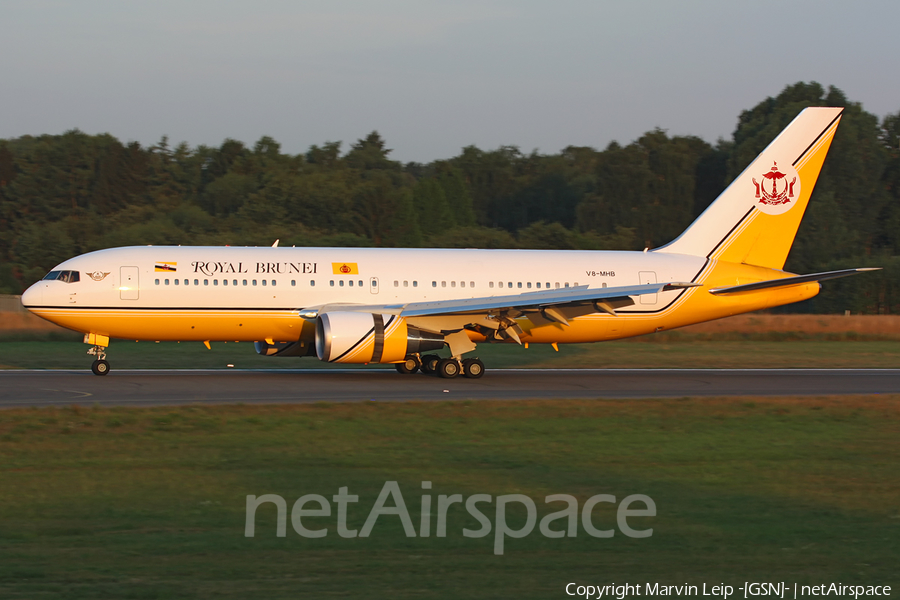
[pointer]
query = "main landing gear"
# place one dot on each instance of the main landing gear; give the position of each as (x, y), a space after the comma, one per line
(448, 368)
(99, 366)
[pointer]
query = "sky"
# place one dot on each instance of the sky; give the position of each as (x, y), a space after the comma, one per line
(430, 76)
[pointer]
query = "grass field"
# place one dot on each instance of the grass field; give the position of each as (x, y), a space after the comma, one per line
(683, 352)
(149, 503)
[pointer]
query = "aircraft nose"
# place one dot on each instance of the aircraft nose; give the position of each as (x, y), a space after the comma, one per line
(33, 296)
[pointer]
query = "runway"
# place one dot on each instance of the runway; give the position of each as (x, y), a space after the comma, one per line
(173, 387)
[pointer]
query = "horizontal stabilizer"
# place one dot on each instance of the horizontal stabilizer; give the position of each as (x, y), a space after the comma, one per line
(787, 281)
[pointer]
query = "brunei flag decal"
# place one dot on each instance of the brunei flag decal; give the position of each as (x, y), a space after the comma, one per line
(345, 268)
(169, 267)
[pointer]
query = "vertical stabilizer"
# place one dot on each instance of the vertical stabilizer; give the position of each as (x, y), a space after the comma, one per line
(755, 219)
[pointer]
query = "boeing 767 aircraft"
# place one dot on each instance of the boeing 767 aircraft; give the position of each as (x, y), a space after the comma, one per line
(385, 305)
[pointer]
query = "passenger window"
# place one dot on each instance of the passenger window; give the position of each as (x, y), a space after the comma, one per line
(293, 283)
(603, 285)
(462, 284)
(187, 282)
(490, 284)
(312, 283)
(360, 283)
(434, 284)
(215, 281)
(509, 285)
(224, 281)
(538, 285)
(471, 284)
(341, 283)
(264, 282)
(567, 284)
(157, 281)
(351, 283)
(548, 285)
(415, 284)
(196, 282)
(167, 282)
(520, 285)
(453, 284)
(177, 282)
(405, 284)
(274, 281)
(234, 282)
(528, 285)
(331, 283)
(206, 282)
(443, 284)
(557, 285)
(253, 282)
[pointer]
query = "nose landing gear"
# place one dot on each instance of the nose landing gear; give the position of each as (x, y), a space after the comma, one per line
(99, 366)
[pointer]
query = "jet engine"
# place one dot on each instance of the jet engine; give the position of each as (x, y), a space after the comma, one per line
(360, 337)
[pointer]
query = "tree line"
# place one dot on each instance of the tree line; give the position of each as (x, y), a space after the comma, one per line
(63, 195)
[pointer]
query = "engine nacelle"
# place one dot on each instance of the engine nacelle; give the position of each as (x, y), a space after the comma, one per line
(359, 337)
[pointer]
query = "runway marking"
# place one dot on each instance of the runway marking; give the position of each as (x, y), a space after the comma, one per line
(81, 394)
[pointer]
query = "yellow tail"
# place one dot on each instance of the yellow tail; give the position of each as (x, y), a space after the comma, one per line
(754, 221)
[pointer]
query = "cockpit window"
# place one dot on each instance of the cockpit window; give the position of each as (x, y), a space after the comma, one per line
(67, 276)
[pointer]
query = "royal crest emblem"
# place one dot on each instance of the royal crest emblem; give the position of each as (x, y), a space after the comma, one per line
(775, 195)
(98, 275)
(777, 190)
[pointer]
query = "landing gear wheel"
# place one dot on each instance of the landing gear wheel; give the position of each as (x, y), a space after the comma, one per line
(430, 363)
(100, 367)
(473, 368)
(448, 368)
(408, 366)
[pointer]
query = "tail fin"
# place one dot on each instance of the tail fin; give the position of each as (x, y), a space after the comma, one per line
(755, 219)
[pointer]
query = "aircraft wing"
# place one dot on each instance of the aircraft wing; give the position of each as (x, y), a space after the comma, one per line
(606, 299)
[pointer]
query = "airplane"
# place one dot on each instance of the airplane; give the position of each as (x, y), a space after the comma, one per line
(401, 306)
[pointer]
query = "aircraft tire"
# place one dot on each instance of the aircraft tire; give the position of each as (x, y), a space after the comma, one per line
(100, 367)
(408, 366)
(430, 363)
(448, 368)
(473, 368)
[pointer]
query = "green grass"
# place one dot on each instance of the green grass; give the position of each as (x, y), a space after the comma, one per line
(649, 351)
(149, 503)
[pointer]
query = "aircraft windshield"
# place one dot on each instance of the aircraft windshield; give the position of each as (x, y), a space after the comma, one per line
(67, 276)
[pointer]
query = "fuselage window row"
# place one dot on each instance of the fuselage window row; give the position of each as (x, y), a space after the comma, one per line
(234, 282)
(312, 282)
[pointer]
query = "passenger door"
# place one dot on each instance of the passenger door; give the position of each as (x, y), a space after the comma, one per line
(129, 286)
